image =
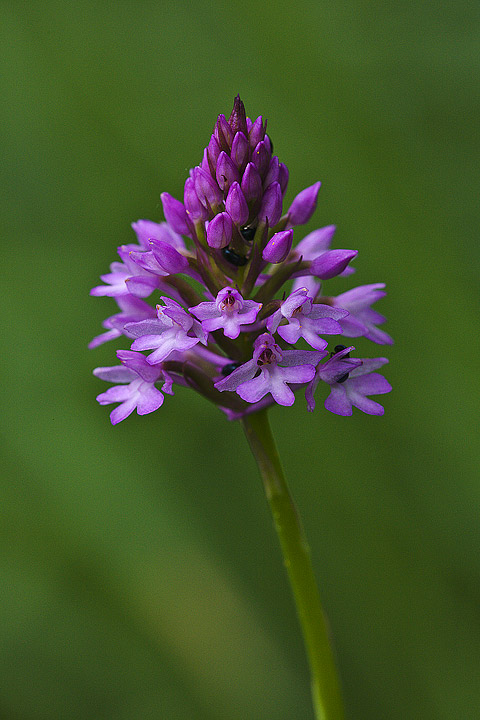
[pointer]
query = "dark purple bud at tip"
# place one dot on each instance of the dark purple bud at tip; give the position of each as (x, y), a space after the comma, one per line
(237, 119)
(226, 171)
(236, 205)
(219, 231)
(251, 183)
(175, 214)
(331, 263)
(271, 209)
(278, 247)
(303, 206)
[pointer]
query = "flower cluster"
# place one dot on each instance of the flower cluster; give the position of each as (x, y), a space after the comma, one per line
(225, 324)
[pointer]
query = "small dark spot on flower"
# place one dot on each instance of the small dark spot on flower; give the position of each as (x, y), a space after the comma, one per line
(342, 378)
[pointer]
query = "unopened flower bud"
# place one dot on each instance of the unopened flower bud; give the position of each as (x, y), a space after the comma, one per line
(219, 231)
(193, 206)
(175, 214)
(303, 206)
(271, 209)
(223, 133)
(168, 258)
(206, 188)
(331, 263)
(226, 171)
(205, 164)
(283, 177)
(213, 150)
(257, 132)
(236, 205)
(251, 183)
(237, 119)
(240, 150)
(273, 172)
(261, 157)
(278, 247)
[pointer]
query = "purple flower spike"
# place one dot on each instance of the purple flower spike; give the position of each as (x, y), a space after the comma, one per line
(251, 183)
(226, 172)
(277, 369)
(206, 189)
(261, 296)
(236, 205)
(303, 206)
(331, 263)
(305, 319)
(229, 311)
(271, 209)
(175, 214)
(219, 231)
(278, 247)
(140, 393)
(240, 151)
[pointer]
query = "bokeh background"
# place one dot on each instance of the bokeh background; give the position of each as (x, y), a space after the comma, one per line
(140, 572)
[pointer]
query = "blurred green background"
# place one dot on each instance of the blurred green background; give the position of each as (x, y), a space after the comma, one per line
(140, 572)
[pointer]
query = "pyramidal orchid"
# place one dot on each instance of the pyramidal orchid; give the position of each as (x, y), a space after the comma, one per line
(240, 316)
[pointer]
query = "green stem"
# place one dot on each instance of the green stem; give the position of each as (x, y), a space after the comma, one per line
(326, 694)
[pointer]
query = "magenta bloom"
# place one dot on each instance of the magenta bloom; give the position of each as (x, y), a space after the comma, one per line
(277, 370)
(229, 311)
(173, 331)
(239, 291)
(350, 380)
(305, 319)
(138, 390)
